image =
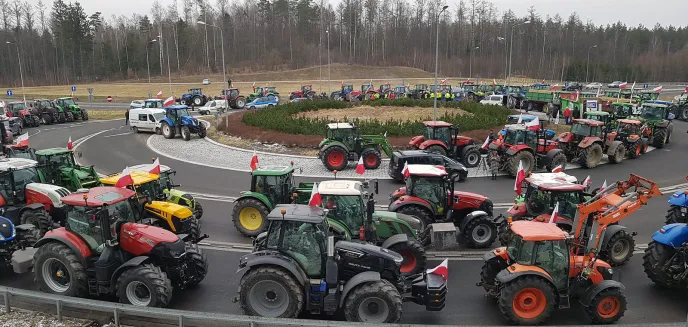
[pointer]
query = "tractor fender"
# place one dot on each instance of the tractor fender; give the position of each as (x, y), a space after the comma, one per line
(360, 278)
(588, 141)
(258, 196)
(550, 155)
(394, 239)
(612, 147)
(679, 199)
(71, 240)
(662, 124)
(429, 143)
(592, 291)
(496, 253)
(133, 262)
(168, 121)
(409, 201)
(566, 137)
(517, 148)
(672, 235)
(33, 206)
(278, 260)
(610, 231)
(334, 143)
(473, 215)
(507, 275)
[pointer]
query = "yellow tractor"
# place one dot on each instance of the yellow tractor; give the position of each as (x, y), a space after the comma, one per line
(173, 217)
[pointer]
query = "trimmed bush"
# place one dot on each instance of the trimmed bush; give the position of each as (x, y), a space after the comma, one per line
(284, 118)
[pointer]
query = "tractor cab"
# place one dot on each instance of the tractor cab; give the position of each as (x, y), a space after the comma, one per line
(486, 89)
(152, 103)
(265, 90)
(230, 93)
(196, 91)
(276, 183)
(345, 133)
(543, 192)
(602, 116)
(470, 87)
(60, 168)
(401, 89)
(15, 175)
(306, 88)
(647, 95)
(517, 134)
(653, 112)
(628, 127)
(583, 128)
(440, 131)
(514, 89)
(432, 184)
(384, 88)
(347, 88)
(420, 87)
(367, 87)
(623, 109)
(346, 202)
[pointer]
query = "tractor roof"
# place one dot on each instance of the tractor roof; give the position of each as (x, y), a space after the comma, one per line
(139, 178)
(176, 107)
(298, 212)
(555, 182)
(52, 151)
(414, 153)
(537, 231)
(153, 100)
(427, 170)
(515, 127)
(16, 163)
(629, 121)
(273, 170)
(589, 122)
(340, 187)
(64, 98)
(148, 167)
(437, 123)
(654, 105)
(98, 196)
(340, 126)
(597, 113)
(624, 104)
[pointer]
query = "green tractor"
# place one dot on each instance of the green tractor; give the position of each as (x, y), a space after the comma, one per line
(604, 117)
(263, 91)
(680, 106)
(170, 193)
(60, 168)
(344, 143)
(658, 118)
(71, 109)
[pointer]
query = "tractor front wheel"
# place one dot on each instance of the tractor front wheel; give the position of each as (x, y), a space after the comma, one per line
(557, 160)
(200, 265)
(37, 217)
(619, 249)
(617, 152)
(634, 149)
(371, 158)
(186, 133)
(69, 117)
(57, 270)
(527, 300)
(659, 139)
(675, 214)
(414, 256)
(655, 265)
(591, 156)
(480, 232)
(250, 217)
(684, 113)
(335, 158)
(437, 149)
(145, 285)
(470, 156)
(374, 302)
(527, 160)
(47, 120)
(84, 114)
(167, 131)
(644, 145)
(607, 307)
(269, 291)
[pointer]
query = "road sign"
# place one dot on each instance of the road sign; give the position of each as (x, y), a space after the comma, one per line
(73, 88)
(109, 98)
(645, 86)
(9, 93)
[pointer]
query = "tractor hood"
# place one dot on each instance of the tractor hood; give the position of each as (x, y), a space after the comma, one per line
(139, 239)
(80, 174)
(188, 120)
(414, 222)
(416, 141)
(170, 209)
(323, 142)
(365, 249)
(567, 137)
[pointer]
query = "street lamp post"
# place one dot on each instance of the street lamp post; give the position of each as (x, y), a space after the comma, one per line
(506, 56)
(169, 72)
(147, 61)
(437, 59)
(21, 73)
(470, 62)
(222, 44)
(587, 66)
(328, 61)
(511, 49)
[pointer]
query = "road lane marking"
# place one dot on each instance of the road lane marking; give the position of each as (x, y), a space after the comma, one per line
(120, 134)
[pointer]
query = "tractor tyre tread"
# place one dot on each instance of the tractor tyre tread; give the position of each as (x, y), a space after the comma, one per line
(659, 138)
(558, 159)
(467, 232)
(605, 252)
(382, 289)
(200, 264)
(327, 153)
(512, 164)
(273, 273)
(616, 152)
(585, 159)
(466, 152)
(37, 217)
(414, 247)
(674, 216)
(592, 310)
(654, 258)
(371, 152)
(157, 281)
(249, 203)
(186, 133)
(511, 289)
(422, 214)
(74, 266)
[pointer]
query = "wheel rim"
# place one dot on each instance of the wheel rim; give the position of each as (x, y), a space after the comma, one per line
(620, 250)
(166, 129)
(250, 218)
(269, 298)
(56, 275)
(529, 303)
(371, 160)
(240, 103)
(138, 294)
(373, 309)
(409, 262)
(335, 158)
(619, 153)
(184, 132)
(472, 159)
(481, 233)
(608, 307)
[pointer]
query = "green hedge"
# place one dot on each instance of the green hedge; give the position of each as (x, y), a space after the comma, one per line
(283, 118)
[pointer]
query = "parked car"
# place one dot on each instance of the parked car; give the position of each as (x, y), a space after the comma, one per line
(262, 102)
(573, 86)
(594, 86)
(13, 124)
(614, 84)
(212, 107)
(206, 82)
(496, 100)
(136, 104)
(146, 119)
(421, 157)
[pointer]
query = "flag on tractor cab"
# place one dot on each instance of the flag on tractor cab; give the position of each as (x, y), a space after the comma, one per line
(159, 95)
(23, 140)
(405, 172)
(254, 161)
(124, 179)
(315, 199)
(442, 269)
(604, 186)
(360, 168)
(520, 119)
(657, 89)
(623, 85)
(586, 182)
(69, 143)
(520, 177)
(156, 167)
(168, 102)
(486, 143)
(534, 122)
(555, 213)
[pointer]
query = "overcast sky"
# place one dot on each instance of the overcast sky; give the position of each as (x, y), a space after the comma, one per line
(631, 12)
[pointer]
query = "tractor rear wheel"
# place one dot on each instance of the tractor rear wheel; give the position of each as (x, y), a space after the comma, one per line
(479, 232)
(47, 119)
(28, 237)
(184, 102)
(617, 152)
(194, 228)
(37, 217)
(659, 138)
(675, 215)
(436, 149)
(186, 133)
(145, 285)
(250, 217)
(527, 300)
(197, 101)
(69, 117)
(619, 249)
(414, 256)
(424, 216)
(644, 145)
(470, 156)
(240, 102)
(268, 291)
(167, 131)
(374, 302)
(200, 265)
(634, 149)
(371, 158)
(84, 114)
(607, 307)
(335, 158)
(557, 160)
(655, 258)
(591, 156)
(684, 112)
(57, 270)
(526, 157)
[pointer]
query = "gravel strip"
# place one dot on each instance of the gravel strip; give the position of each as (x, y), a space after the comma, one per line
(24, 318)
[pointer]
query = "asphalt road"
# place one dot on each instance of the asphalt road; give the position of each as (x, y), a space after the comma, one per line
(116, 147)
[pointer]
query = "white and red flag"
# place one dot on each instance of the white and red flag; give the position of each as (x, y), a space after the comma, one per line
(486, 143)
(23, 140)
(586, 182)
(442, 270)
(168, 102)
(315, 199)
(159, 95)
(254, 161)
(657, 89)
(520, 177)
(405, 172)
(558, 169)
(555, 213)
(124, 179)
(360, 168)
(156, 167)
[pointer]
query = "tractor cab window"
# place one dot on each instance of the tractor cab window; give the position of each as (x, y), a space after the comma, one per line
(343, 135)
(270, 186)
(151, 189)
(553, 257)
(63, 159)
(152, 104)
(652, 113)
(349, 209)
(165, 179)
(537, 200)
(596, 131)
(6, 187)
(432, 190)
(622, 111)
(85, 223)
(21, 178)
(515, 136)
(307, 88)
(442, 134)
(67, 102)
(303, 241)
(121, 211)
(568, 204)
(520, 251)
(626, 129)
(580, 129)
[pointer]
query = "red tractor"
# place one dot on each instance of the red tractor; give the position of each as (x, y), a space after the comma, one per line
(429, 195)
(588, 140)
(306, 92)
(103, 251)
(19, 109)
(531, 149)
(443, 138)
(386, 91)
(234, 100)
(368, 92)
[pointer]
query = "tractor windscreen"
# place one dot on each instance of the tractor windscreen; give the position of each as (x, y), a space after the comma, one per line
(580, 129)
(520, 251)
(537, 201)
(159, 116)
(183, 112)
(438, 133)
(62, 160)
(68, 102)
(515, 136)
(151, 189)
(652, 113)
(348, 209)
(121, 211)
(18, 106)
(432, 190)
(25, 176)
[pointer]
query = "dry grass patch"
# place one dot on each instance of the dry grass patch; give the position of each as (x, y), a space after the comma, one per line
(380, 113)
(96, 114)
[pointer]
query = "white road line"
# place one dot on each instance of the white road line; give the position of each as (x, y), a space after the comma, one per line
(120, 134)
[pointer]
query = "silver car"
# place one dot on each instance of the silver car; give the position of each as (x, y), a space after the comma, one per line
(13, 124)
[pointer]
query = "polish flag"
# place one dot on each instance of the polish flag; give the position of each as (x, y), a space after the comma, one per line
(254, 161)
(520, 119)
(124, 179)
(534, 122)
(442, 269)
(315, 199)
(494, 82)
(558, 169)
(623, 85)
(556, 119)
(405, 172)
(657, 89)
(604, 186)
(555, 87)
(360, 169)
(520, 177)
(486, 143)
(69, 143)
(553, 218)
(586, 182)
(159, 95)
(156, 167)
(23, 140)
(168, 102)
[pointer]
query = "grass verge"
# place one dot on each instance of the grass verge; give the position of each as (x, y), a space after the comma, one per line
(96, 114)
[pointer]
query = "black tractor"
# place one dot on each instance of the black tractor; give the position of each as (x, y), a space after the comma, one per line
(298, 267)
(46, 110)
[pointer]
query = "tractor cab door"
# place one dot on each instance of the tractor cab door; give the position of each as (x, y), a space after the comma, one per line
(348, 209)
(433, 191)
(86, 224)
(538, 201)
(305, 242)
(270, 186)
(345, 136)
(568, 204)
(553, 257)
(444, 134)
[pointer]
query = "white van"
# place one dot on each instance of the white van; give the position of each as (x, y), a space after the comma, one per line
(146, 119)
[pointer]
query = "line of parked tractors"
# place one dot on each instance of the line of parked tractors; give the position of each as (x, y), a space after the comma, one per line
(20, 115)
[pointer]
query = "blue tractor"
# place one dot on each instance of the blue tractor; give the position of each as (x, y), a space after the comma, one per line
(16, 245)
(666, 258)
(513, 119)
(178, 120)
(678, 208)
(195, 98)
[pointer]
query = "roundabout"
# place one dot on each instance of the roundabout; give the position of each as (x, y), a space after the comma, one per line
(216, 174)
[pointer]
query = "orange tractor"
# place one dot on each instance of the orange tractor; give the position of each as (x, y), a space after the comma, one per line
(543, 267)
